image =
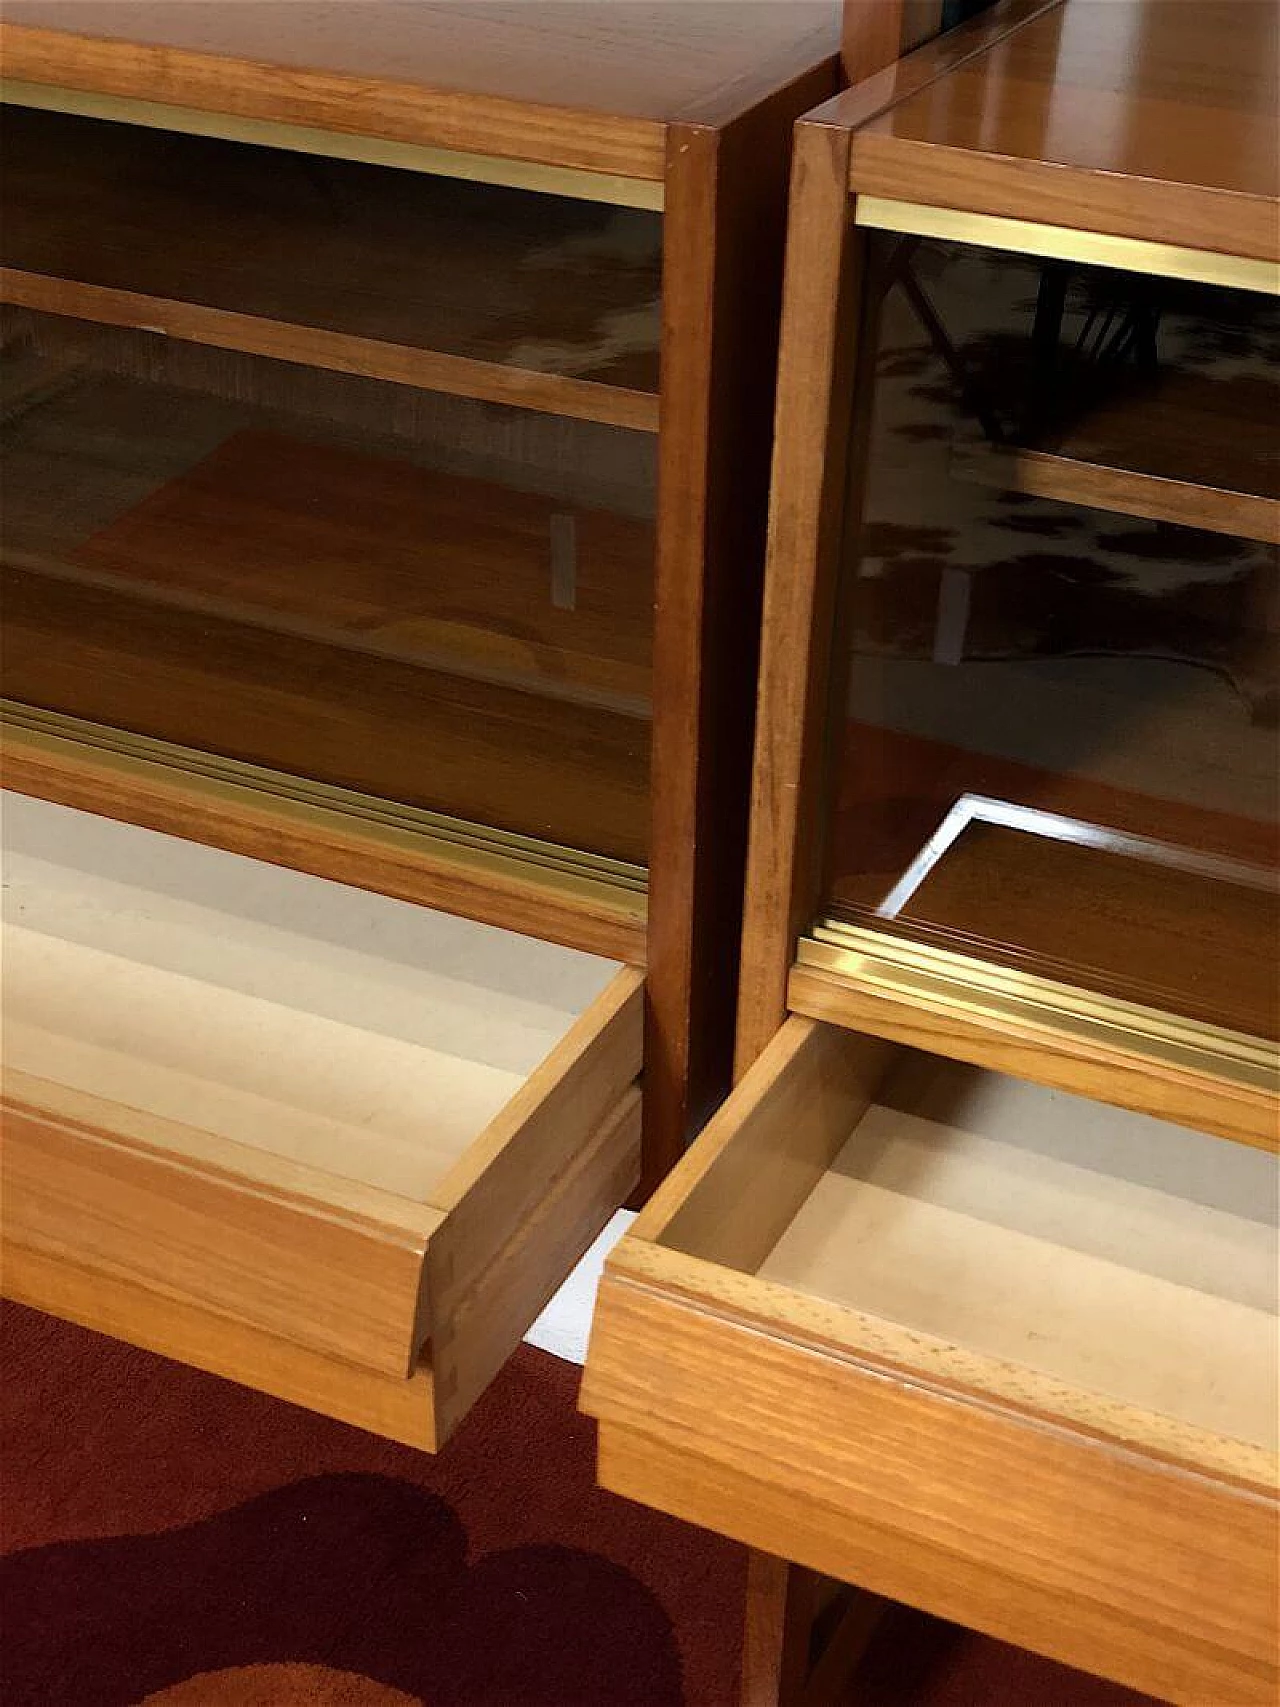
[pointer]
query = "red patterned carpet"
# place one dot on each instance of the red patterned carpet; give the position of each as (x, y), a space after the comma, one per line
(171, 1538)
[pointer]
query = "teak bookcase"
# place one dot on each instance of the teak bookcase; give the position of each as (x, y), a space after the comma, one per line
(968, 1294)
(387, 421)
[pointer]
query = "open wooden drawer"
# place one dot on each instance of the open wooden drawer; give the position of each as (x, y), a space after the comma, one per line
(991, 1349)
(327, 1143)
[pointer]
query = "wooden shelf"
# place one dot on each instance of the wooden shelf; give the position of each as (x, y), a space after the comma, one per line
(537, 301)
(191, 569)
(1186, 449)
(1131, 120)
(320, 542)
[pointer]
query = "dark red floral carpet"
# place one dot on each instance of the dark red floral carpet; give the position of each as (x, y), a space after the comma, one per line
(171, 1538)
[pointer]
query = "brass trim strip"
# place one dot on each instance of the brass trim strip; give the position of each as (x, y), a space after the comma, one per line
(1052, 826)
(940, 979)
(473, 848)
(1059, 242)
(575, 182)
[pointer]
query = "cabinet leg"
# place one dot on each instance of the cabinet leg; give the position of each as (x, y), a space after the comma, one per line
(781, 1608)
(803, 1635)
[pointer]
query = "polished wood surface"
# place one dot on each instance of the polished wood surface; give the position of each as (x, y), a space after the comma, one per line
(529, 299)
(563, 85)
(1139, 118)
(111, 1304)
(747, 1398)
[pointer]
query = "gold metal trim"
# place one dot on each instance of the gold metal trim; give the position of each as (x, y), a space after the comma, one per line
(475, 849)
(1059, 242)
(1053, 826)
(575, 182)
(938, 979)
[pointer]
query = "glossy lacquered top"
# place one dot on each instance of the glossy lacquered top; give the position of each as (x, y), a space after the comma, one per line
(409, 68)
(1153, 119)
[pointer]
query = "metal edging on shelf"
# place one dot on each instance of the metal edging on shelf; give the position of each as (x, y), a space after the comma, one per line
(476, 848)
(1059, 242)
(941, 980)
(573, 181)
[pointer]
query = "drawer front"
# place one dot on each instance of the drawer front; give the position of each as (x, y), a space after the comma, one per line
(82, 1182)
(336, 1132)
(907, 1457)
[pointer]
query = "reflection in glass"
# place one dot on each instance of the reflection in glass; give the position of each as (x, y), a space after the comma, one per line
(441, 602)
(1055, 734)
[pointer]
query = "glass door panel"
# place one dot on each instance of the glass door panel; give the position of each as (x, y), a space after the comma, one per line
(1054, 735)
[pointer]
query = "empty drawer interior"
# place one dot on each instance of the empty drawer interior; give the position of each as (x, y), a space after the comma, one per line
(1070, 1259)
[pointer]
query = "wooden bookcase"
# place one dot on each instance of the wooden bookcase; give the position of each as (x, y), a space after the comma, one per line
(387, 421)
(932, 1307)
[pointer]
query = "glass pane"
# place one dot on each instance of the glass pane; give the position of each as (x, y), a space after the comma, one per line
(533, 281)
(443, 602)
(1054, 737)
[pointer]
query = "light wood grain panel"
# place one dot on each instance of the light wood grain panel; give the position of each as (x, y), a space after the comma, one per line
(215, 1095)
(743, 1499)
(1087, 1064)
(760, 1156)
(99, 1197)
(486, 1322)
(966, 1205)
(110, 1304)
(1159, 1578)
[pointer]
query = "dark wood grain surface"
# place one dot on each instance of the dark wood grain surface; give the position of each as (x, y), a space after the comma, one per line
(608, 77)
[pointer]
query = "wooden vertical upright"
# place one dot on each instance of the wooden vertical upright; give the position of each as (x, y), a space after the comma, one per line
(821, 305)
(725, 216)
(804, 534)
